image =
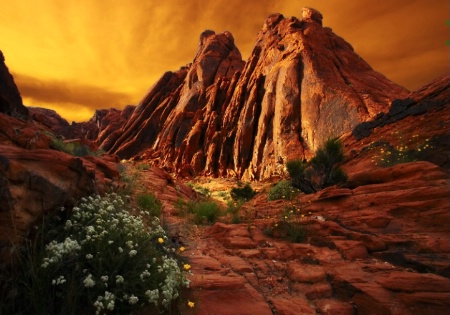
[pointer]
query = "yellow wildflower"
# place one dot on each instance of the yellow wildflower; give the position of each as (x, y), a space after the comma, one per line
(186, 266)
(160, 240)
(191, 304)
(182, 249)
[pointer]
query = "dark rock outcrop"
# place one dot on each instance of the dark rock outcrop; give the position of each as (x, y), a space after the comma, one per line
(432, 97)
(110, 126)
(420, 122)
(99, 131)
(10, 99)
(301, 84)
(34, 179)
(50, 120)
(37, 182)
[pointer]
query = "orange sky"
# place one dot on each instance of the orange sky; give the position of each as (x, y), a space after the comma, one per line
(78, 55)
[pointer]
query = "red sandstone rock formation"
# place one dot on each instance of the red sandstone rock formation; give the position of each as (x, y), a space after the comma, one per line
(36, 180)
(173, 117)
(102, 130)
(301, 84)
(110, 125)
(50, 120)
(10, 99)
(379, 246)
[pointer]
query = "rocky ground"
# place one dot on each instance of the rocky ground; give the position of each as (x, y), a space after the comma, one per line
(380, 246)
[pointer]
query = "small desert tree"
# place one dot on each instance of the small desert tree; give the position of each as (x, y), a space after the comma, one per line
(321, 171)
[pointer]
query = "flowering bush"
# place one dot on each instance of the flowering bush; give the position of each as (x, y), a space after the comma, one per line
(404, 152)
(293, 225)
(282, 190)
(105, 260)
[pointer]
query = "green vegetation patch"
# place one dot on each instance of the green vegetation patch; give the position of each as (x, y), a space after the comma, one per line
(242, 193)
(283, 190)
(321, 171)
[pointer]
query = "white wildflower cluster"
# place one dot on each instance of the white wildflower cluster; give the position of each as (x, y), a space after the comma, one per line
(144, 274)
(57, 251)
(119, 279)
(59, 280)
(103, 237)
(133, 299)
(106, 301)
(152, 296)
(88, 281)
(173, 277)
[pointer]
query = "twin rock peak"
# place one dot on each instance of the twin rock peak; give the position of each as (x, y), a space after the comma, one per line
(221, 116)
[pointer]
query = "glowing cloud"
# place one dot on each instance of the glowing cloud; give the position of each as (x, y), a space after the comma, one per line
(75, 56)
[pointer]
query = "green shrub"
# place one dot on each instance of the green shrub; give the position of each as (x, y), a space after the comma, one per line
(73, 148)
(149, 203)
(242, 193)
(322, 171)
(282, 190)
(102, 260)
(202, 191)
(205, 211)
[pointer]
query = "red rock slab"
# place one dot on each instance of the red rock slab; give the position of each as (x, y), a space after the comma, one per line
(333, 193)
(288, 305)
(204, 263)
(250, 253)
(217, 282)
(258, 237)
(351, 250)
(370, 298)
(236, 263)
(233, 236)
(246, 301)
(414, 282)
(305, 273)
(424, 303)
(21, 133)
(237, 242)
(314, 291)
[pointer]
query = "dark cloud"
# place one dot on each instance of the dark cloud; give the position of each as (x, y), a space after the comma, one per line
(58, 92)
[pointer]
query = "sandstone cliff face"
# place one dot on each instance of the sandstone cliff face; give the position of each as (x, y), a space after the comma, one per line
(174, 116)
(301, 84)
(10, 99)
(110, 124)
